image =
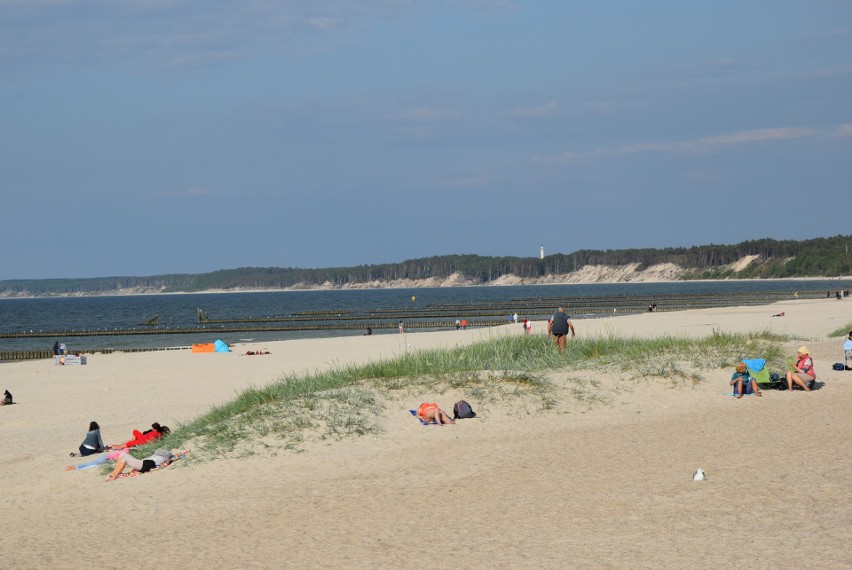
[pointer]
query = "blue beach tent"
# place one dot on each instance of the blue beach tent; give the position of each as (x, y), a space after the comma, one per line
(220, 346)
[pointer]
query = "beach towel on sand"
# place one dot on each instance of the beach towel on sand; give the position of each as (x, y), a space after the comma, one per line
(422, 421)
(177, 456)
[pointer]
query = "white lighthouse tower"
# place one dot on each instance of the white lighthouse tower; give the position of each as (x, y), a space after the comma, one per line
(541, 252)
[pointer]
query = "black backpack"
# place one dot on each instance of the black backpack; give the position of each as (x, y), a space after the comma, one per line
(462, 409)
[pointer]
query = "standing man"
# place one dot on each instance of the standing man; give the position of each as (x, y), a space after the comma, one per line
(559, 326)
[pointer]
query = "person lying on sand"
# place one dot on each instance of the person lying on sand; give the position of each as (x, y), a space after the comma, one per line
(141, 465)
(431, 412)
(743, 383)
(141, 438)
(99, 460)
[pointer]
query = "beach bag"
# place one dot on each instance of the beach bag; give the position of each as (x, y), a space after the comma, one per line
(777, 382)
(462, 409)
(838, 366)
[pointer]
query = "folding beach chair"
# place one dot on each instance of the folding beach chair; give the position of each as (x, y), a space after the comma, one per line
(757, 369)
(847, 357)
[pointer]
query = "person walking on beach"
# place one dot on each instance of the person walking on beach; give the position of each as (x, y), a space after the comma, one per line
(401, 327)
(559, 326)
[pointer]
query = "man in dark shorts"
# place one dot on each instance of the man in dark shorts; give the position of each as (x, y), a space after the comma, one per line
(559, 326)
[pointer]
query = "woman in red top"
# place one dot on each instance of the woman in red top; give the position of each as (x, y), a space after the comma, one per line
(141, 438)
(804, 373)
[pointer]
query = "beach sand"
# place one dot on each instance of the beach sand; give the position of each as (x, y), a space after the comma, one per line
(603, 483)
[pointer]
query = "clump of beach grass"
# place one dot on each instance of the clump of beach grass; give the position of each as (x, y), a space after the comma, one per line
(842, 331)
(347, 400)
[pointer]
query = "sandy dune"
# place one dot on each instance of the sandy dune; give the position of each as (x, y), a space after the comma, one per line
(605, 485)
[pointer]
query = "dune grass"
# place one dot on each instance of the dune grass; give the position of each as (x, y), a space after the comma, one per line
(347, 400)
(842, 331)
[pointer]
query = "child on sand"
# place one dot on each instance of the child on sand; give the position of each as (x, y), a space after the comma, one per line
(743, 383)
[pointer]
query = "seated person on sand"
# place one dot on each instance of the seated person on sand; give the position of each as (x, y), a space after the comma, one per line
(743, 383)
(431, 412)
(847, 344)
(7, 399)
(141, 438)
(93, 443)
(100, 459)
(804, 370)
(141, 465)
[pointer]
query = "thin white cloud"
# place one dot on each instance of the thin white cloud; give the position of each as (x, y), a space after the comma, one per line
(843, 131)
(735, 138)
(544, 110)
(427, 114)
(192, 192)
(740, 137)
(477, 180)
(838, 71)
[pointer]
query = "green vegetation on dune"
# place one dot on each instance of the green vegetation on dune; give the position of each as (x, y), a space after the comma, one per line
(348, 401)
(842, 331)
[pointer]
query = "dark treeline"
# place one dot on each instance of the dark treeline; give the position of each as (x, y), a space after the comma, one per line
(820, 257)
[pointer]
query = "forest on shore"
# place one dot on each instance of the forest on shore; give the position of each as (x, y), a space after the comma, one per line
(755, 259)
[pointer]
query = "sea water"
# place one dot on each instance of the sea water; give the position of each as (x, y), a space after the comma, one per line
(181, 310)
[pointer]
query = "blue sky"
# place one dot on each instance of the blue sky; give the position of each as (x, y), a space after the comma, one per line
(142, 137)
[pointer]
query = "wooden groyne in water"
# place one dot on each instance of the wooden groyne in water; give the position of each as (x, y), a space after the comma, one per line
(427, 317)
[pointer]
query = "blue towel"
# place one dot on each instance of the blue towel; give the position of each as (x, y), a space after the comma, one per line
(755, 364)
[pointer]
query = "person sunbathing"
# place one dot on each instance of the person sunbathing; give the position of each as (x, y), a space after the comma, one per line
(141, 465)
(743, 383)
(99, 460)
(429, 412)
(142, 437)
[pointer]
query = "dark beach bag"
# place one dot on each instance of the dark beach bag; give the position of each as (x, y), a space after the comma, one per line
(462, 409)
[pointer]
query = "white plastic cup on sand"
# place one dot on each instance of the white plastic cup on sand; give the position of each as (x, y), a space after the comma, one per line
(699, 475)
